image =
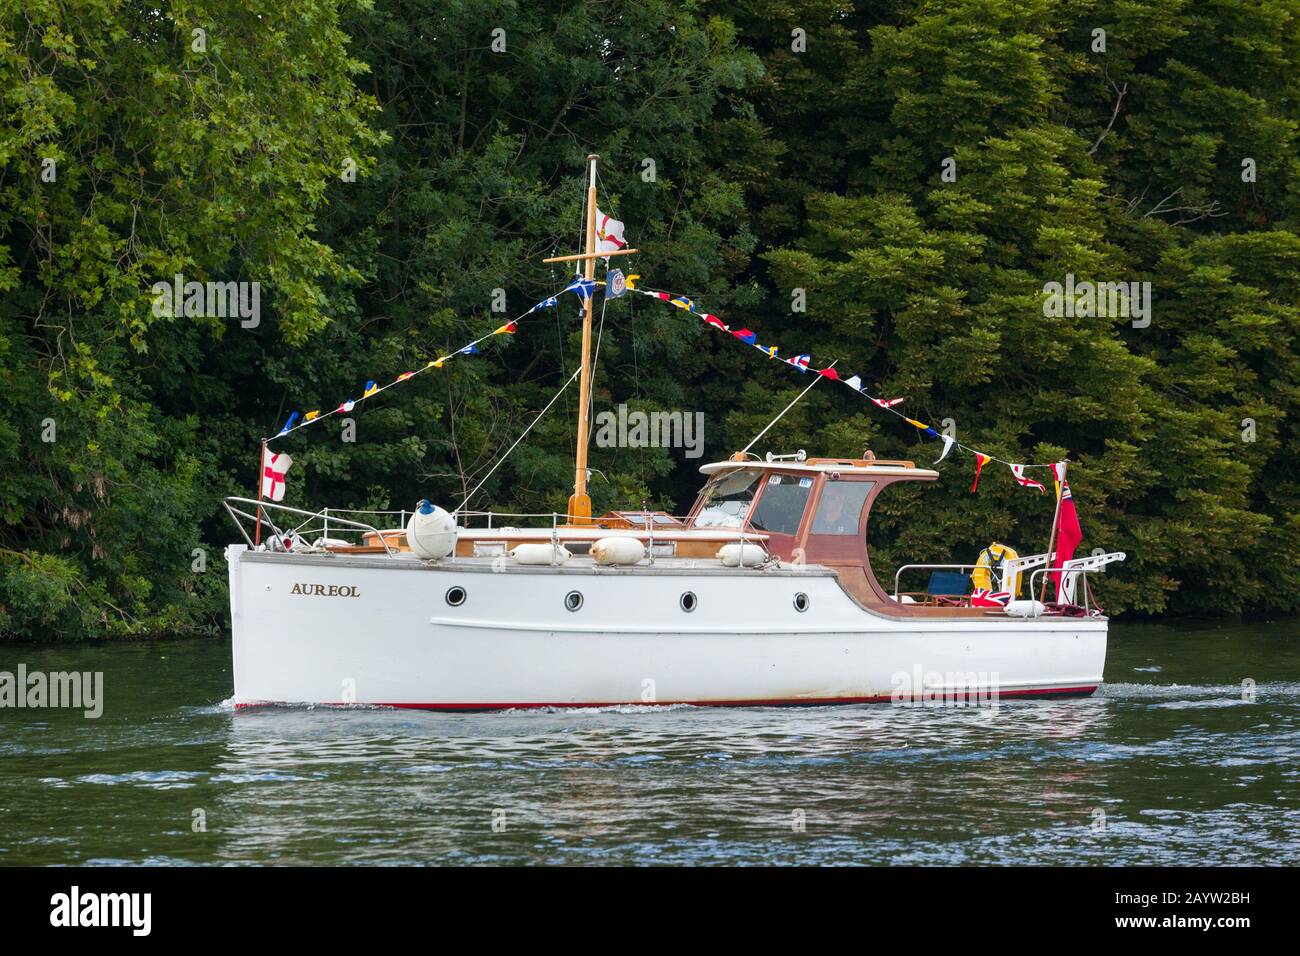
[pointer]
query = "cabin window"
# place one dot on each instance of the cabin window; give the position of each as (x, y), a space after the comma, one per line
(781, 508)
(840, 509)
(727, 499)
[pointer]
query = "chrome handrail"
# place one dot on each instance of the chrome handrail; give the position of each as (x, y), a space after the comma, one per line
(933, 567)
(267, 506)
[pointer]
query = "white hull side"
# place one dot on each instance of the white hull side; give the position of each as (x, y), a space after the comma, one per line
(512, 643)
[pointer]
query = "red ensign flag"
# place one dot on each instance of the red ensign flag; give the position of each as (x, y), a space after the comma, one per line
(1068, 535)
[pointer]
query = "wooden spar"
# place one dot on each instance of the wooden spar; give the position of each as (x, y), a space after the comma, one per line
(583, 256)
(1051, 541)
(580, 501)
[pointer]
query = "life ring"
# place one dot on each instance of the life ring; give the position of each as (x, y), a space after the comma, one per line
(988, 571)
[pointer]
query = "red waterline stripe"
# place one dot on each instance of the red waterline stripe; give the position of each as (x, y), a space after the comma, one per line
(777, 702)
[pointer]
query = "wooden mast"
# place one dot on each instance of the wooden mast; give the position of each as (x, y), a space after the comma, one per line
(580, 501)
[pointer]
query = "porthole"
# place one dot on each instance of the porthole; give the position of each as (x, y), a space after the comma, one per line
(801, 602)
(688, 601)
(573, 600)
(456, 596)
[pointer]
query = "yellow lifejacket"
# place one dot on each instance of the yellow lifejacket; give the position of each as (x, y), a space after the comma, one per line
(992, 559)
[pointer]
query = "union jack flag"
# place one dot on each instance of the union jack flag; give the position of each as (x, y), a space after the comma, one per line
(984, 597)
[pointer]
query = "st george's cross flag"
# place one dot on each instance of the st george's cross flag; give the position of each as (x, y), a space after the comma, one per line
(1018, 473)
(609, 233)
(273, 468)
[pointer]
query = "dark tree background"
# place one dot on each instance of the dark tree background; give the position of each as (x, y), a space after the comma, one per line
(795, 145)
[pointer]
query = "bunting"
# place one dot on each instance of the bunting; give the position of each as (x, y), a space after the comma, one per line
(803, 362)
(1018, 473)
(583, 288)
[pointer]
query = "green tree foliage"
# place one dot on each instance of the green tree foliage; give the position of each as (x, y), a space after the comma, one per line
(792, 144)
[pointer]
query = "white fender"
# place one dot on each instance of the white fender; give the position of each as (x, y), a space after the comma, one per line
(431, 532)
(540, 554)
(741, 555)
(617, 551)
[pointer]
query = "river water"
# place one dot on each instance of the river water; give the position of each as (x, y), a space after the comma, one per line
(1171, 762)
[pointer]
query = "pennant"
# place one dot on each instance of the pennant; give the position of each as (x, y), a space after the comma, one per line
(546, 303)
(947, 447)
(288, 426)
(470, 349)
(682, 303)
(829, 372)
(921, 425)
(1018, 472)
(403, 377)
(371, 388)
(800, 362)
(716, 322)
(981, 460)
(273, 468)
(438, 362)
(1058, 471)
(346, 406)
(771, 351)
(508, 329)
(631, 280)
(609, 233)
(854, 382)
(746, 336)
(888, 402)
(310, 417)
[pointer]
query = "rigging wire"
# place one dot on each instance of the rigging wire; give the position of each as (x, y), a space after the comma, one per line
(502, 459)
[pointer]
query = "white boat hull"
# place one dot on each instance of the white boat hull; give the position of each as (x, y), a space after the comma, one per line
(329, 629)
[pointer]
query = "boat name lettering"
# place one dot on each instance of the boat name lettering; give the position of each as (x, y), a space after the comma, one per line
(326, 590)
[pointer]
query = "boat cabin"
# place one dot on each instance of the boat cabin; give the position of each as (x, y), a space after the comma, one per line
(813, 511)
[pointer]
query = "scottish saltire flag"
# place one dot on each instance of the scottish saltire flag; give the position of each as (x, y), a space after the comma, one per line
(609, 233)
(273, 468)
(583, 288)
(1018, 472)
(984, 597)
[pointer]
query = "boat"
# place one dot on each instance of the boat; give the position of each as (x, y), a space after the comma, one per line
(762, 593)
